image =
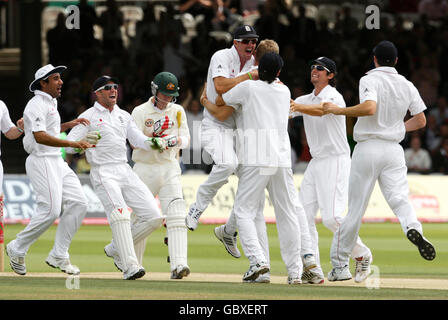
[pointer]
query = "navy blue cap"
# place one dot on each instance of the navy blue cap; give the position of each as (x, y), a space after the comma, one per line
(385, 51)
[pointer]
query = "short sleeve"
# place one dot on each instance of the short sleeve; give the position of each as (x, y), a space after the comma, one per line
(236, 96)
(220, 66)
(417, 104)
(367, 90)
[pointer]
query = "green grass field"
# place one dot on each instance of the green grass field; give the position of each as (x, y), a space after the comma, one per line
(393, 254)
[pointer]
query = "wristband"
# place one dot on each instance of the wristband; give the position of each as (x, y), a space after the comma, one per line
(250, 76)
(20, 130)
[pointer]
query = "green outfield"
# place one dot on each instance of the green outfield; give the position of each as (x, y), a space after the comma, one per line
(394, 256)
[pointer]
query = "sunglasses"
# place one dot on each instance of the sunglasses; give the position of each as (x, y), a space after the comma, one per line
(247, 41)
(319, 67)
(107, 87)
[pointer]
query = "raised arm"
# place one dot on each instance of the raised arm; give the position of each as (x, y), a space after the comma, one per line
(310, 109)
(223, 84)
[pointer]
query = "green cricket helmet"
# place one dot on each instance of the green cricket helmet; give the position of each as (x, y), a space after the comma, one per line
(166, 83)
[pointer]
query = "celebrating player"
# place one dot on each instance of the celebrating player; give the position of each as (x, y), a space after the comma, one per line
(385, 97)
(325, 183)
(118, 187)
(217, 136)
(53, 181)
(161, 118)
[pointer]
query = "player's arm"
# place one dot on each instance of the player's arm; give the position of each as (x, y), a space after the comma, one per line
(16, 131)
(366, 108)
(44, 138)
(221, 112)
(416, 122)
(310, 109)
(223, 84)
(68, 125)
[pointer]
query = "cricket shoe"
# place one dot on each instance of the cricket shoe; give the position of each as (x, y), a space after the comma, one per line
(362, 268)
(134, 272)
(339, 274)
(16, 262)
(192, 218)
(294, 279)
(62, 264)
(425, 247)
(229, 241)
(311, 272)
(255, 270)
(262, 278)
(112, 253)
(180, 272)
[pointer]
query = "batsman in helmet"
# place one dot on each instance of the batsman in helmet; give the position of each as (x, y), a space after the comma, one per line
(165, 122)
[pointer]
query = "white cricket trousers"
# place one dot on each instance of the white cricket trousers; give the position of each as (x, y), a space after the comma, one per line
(373, 160)
(251, 186)
(325, 187)
(117, 186)
(217, 141)
(56, 187)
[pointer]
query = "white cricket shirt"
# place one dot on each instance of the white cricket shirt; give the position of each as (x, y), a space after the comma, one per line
(5, 121)
(326, 135)
(224, 63)
(114, 127)
(262, 127)
(145, 115)
(394, 96)
(41, 114)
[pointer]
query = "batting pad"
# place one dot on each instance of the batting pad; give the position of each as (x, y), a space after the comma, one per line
(120, 223)
(177, 232)
(140, 250)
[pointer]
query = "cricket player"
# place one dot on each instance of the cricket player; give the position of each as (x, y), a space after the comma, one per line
(11, 132)
(385, 97)
(223, 112)
(162, 118)
(325, 181)
(54, 183)
(120, 190)
(217, 135)
(262, 133)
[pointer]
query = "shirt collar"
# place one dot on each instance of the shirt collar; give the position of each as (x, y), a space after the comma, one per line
(100, 108)
(44, 94)
(323, 91)
(384, 69)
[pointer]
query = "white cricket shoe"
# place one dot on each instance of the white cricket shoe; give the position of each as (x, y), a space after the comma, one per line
(192, 218)
(62, 264)
(311, 271)
(16, 262)
(262, 278)
(339, 274)
(134, 272)
(112, 253)
(362, 269)
(255, 270)
(229, 241)
(425, 247)
(294, 279)
(180, 272)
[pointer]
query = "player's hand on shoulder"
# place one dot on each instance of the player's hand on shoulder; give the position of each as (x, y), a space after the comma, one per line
(20, 124)
(254, 74)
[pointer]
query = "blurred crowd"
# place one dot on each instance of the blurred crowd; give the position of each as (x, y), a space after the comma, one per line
(163, 41)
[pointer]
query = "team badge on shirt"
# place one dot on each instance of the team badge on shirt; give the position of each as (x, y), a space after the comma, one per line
(149, 123)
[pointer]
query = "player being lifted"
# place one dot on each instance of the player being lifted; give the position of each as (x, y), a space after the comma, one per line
(160, 117)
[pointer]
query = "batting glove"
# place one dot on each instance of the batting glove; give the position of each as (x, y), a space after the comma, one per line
(161, 125)
(171, 141)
